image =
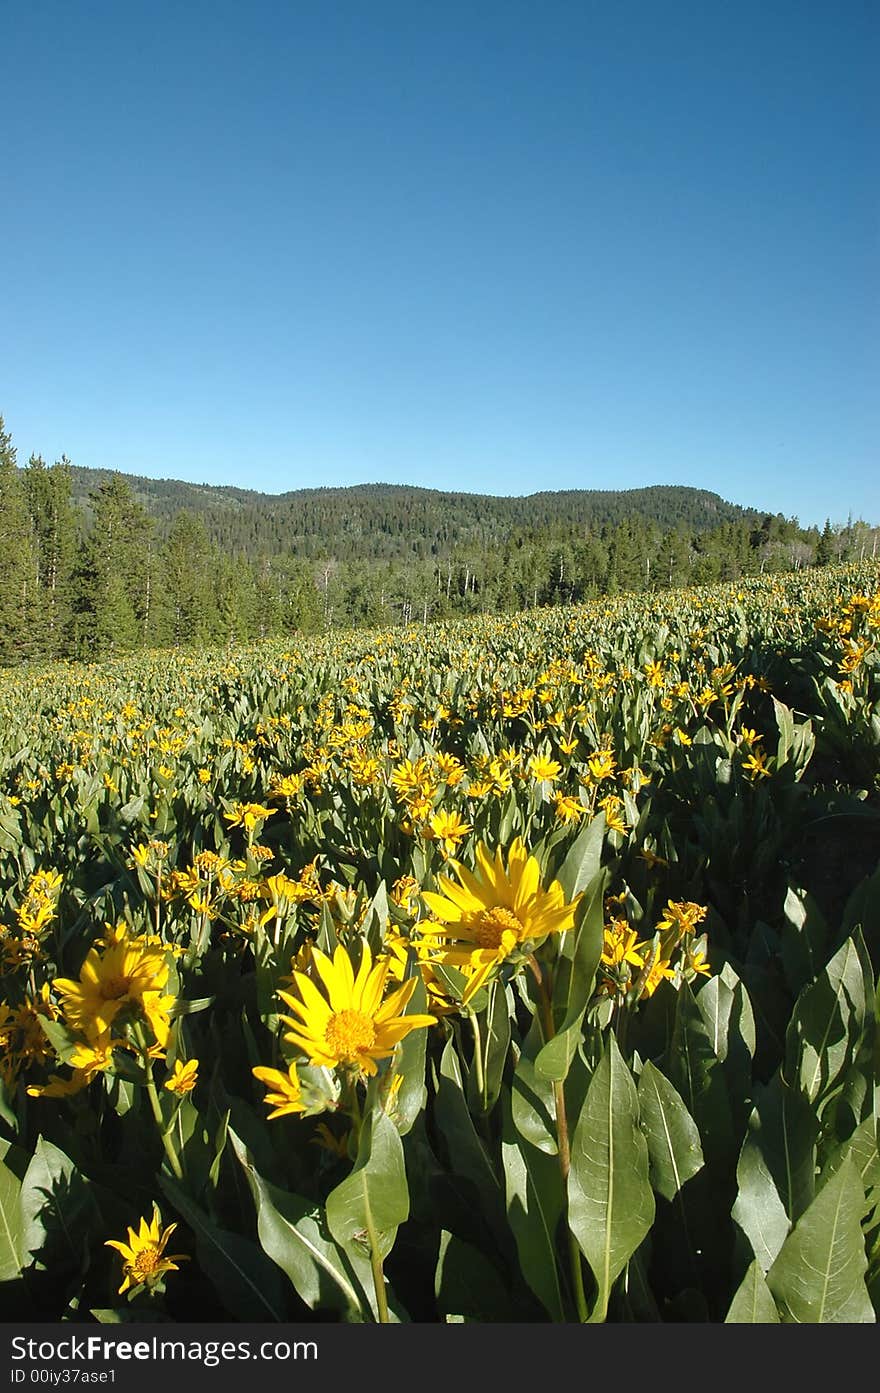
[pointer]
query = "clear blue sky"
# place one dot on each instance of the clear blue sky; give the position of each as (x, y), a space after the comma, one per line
(494, 247)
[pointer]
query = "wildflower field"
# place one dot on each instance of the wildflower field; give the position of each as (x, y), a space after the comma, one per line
(511, 969)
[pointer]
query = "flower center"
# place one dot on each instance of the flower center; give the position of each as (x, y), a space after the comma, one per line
(145, 1262)
(492, 924)
(348, 1034)
(114, 987)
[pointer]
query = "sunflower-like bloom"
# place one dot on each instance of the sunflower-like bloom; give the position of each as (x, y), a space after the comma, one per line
(496, 914)
(284, 1095)
(129, 972)
(351, 1026)
(183, 1078)
(143, 1256)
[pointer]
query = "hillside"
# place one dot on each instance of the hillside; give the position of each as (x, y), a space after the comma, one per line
(388, 520)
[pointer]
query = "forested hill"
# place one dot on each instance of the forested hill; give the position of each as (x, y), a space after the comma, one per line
(389, 520)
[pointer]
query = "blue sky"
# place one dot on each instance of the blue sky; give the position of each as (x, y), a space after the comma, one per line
(494, 247)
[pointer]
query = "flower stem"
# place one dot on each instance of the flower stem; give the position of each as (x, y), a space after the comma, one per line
(478, 1061)
(165, 1133)
(563, 1144)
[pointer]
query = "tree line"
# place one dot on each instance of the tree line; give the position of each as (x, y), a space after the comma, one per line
(89, 581)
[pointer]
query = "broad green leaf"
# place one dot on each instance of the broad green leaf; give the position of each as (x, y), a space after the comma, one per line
(804, 939)
(468, 1157)
(695, 1070)
(58, 1209)
(244, 1279)
(861, 1147)
(466, 1285)
(674, 1150)
(533, 1104)
(753, 1302)
(819, 1276)
(583, 858)
(12, 1161)
(827, 1024)
(372, 1202)
(784, 1128)
(293, 1233)
(758, 1208)
(535, 1203)
(575, 975)
(610, 1200)
(494, 1027)
(410, 1064)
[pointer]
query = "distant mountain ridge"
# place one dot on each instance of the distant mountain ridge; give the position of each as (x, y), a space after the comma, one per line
(391, 519)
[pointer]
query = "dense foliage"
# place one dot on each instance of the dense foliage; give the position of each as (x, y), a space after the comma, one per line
(499, 969)
(94, 563)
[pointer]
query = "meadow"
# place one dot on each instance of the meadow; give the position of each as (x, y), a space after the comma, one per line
(504, 969)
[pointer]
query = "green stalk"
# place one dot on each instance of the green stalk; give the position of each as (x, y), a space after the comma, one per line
(165, 1134)
(478, 1060)
(376, 1267)
(563, 1146)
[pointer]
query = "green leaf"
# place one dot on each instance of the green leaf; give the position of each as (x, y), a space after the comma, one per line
(827, 1024)
(533, 1101)
(862, 1148)
(575, 975)
(583, 858)
(758, 1208)
(12, 1161)
(244, 1279)
(293, 1233)
(535, 1203)
(466, 1285)
(468, 1159)
(610, 1200)
(753, 1303)
(410, 1063)
(695, 1070)
(674, 1150)
(819, 1276)
(374, 1199)
(804, 940)
(58, 1208)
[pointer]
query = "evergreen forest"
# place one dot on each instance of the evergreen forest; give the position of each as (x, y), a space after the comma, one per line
(96, 562)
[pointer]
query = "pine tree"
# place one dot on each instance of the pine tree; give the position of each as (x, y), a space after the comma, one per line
(18, 561)
(53, 527)
(113, 590)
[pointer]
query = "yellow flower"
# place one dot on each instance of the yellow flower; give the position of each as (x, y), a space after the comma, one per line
(448, 829)
(351, 1026)
(544, 769)
(601, 764)
(88, 1060)
(619, 945)
(127, 973)
(247, 815)
(144, 1259)
(184, 1078)
(568, 809)
(284, 1095)
(756, 766)
(499, 912)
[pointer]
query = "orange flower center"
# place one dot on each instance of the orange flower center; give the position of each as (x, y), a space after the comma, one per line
(114, 987)
(145, 1262)
(349, 1034)
(492, 924)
